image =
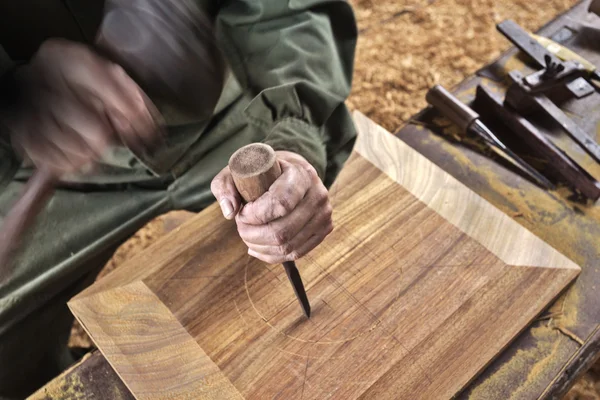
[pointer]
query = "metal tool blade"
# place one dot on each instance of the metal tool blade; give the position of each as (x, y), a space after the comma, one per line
(575, 132)
(507, 153)
(296, 281)
(520, 38)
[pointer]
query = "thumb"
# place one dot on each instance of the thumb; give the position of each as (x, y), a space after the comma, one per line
(225, 192)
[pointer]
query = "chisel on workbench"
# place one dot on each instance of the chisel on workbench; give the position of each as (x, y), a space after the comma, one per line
(254, 168)
(559, 164)
(468, 121)
(532, 91)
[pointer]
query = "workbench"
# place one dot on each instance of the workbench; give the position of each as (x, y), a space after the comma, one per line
(547, 358)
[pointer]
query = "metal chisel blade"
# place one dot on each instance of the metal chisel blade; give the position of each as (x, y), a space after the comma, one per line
(508, 154)
(296, 281)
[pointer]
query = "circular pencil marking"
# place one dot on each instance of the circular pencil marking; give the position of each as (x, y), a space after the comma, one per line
(339, 290)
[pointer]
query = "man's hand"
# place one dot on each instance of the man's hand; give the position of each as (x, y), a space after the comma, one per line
(286, 222)
(74, 104)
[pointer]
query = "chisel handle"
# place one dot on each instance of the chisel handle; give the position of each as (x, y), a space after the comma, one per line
(452, 108)
(595, 7)
(254, 168)
(36, 192)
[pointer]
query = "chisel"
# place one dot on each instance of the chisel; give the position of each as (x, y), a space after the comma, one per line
(254, 168)
(468, 121)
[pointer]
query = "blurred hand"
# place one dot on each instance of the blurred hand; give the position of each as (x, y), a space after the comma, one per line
(286, 222)
(73, 105)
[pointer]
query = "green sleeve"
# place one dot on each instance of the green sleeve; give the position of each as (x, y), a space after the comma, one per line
(296, 57)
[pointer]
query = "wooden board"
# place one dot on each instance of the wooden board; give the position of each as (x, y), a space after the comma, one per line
(419, 287)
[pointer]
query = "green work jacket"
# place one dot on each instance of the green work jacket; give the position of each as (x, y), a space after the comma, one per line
(293, 59)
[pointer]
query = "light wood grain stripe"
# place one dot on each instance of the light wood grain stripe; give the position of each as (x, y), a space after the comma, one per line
(462, 207)
(150, 350)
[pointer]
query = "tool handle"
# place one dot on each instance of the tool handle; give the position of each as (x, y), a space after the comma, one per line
(563, 52)
(37, 190)
(595, 7)
(254, 168)
(452, 108)
(520, 38)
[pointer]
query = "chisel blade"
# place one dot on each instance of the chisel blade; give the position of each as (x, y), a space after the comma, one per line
(296, 281)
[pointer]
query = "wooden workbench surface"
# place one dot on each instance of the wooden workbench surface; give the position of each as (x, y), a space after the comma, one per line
(543, 361)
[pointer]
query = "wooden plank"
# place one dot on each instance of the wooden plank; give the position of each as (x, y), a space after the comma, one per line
(419, 287)
(139, 333)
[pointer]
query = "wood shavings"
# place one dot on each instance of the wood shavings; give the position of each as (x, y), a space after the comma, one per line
(443, 41)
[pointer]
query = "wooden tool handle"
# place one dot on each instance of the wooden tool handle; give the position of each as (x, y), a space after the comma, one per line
(21, 215)
(254, 169)
(595, 7)
(452, 108)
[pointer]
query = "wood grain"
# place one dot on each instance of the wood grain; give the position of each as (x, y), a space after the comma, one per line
(419, 287)
(141, 334)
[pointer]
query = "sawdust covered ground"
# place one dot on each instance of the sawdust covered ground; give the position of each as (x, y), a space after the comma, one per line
(405, 47)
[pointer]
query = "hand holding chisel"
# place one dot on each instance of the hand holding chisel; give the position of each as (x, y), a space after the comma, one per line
(288, 211)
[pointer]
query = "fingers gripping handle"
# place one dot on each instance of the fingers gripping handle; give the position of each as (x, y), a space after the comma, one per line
(254, 168)
(452, 108)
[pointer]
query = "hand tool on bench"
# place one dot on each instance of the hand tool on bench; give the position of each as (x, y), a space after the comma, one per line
(165, 62)
(530, 92)
(560, 164)
(468, 121)
(554, 72)
(254, 168)
(567, 54)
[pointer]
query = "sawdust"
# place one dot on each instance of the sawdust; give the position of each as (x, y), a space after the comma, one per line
(549, 344)
(67, 386)
(408, 46)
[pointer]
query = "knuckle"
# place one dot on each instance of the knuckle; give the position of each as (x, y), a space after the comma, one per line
(329, 228)
(328, 210)
(283, 205)
(216, 185)
(260, 218)
(285, 249)
(281, 237)
(293, 255)
(322, 193)
(117, 70)
(138, 105)
(311, 173)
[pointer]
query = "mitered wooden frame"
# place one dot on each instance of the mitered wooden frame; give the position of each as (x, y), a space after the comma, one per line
(420, 286)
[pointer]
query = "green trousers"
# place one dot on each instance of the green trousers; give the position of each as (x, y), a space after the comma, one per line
(77, 233)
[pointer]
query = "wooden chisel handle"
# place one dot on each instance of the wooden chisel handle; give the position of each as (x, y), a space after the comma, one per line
(452, 108)
(254, 168)
(36, 192)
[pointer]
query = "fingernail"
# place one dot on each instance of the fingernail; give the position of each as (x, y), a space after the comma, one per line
(226, 208)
